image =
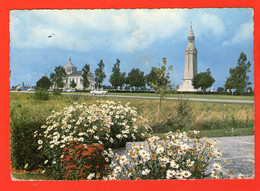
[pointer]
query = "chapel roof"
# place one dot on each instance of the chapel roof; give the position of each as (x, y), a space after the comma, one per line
(69, 65)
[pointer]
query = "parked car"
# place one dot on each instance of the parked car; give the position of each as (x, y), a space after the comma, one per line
(31, 89)
(22, 89)
(69, 90)
(99, 92)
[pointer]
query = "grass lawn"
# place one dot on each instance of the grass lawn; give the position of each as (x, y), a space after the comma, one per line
(176, 114)
(30, 176)
(229, 97)
(222, 132)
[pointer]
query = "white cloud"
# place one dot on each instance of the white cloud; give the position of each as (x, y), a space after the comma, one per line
(212, 24)
(120, 30)
(243, 34)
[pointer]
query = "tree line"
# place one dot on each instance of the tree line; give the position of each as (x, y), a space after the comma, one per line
(157, 78)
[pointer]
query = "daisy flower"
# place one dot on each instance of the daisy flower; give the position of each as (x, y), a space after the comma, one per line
(217, 166)
(145, 172)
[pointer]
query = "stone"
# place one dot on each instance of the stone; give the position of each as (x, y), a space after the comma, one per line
(191, 68)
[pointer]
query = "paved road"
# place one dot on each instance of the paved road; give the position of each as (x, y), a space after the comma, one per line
(168, 98)
(174, 98)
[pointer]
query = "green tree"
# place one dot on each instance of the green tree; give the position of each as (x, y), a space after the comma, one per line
(136, 78)
(44, 83)
(117, 79)
(150, 78)
(85, 72)
(239, 80)
(220, 90)
(57, 77)
(73, 84)
(100, 75)
(203, 80)
(161, 83)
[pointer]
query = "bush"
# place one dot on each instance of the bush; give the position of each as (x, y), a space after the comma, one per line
(107, 123)
(57, 92)
(24, 146)
(83, 162)
(41, 94)
(176, 157)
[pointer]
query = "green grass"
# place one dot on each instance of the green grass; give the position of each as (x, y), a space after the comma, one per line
(201, 115)
(30, 176)
(228, 97)
(222, 132)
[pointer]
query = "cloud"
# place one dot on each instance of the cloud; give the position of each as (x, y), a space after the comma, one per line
(211, 24)
(118, 30)
(126, 30)
(243, 35)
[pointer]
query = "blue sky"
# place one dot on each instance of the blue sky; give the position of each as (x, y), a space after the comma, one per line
(140, 38)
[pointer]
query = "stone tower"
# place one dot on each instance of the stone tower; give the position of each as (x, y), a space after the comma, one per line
(190, 69)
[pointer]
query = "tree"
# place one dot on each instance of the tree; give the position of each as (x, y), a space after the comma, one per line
(203, 80)
(150, 78)
(85, 71)
(220, 90)
(73, 84)
(117, 79)
(136, 78)
(239, 80)
(161, 83)
(100, 74)
(44, 83)
(57, 77)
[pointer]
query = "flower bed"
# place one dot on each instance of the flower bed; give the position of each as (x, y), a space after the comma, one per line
(175, 157)
(77, 142)
(107, 123)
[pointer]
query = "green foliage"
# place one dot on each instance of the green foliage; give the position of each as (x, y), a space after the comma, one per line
(84, 162)
(73, 84)
(108, 123)
(100, 75)
(24, 152)
(44, 82)
(239, 79)
(85, 73)
(151, 77)
(41, 94)
(57, 92)
(203, 80)
(57, 77)
(161, 83)
(136, 78)
(117, 79)
(220, 90)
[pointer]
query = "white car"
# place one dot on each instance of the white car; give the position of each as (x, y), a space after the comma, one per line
(69, 90)
(99, 92)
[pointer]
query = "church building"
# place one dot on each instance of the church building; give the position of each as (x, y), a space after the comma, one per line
(73, 74)
(190, 68)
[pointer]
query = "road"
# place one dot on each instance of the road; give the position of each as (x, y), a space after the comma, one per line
(156, 98)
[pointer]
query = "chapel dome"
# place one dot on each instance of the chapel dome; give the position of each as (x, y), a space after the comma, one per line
(69, 68)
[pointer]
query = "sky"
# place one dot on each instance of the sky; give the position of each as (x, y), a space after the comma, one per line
(139, 38)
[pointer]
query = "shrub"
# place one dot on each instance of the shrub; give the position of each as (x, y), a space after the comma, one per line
(24, 146)
(83, 162)
(57, 92)
(41, 94)
(107, 123)
(176, 157)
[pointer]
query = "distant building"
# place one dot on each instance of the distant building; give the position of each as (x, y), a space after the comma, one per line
(73, 74)
(190, 69)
